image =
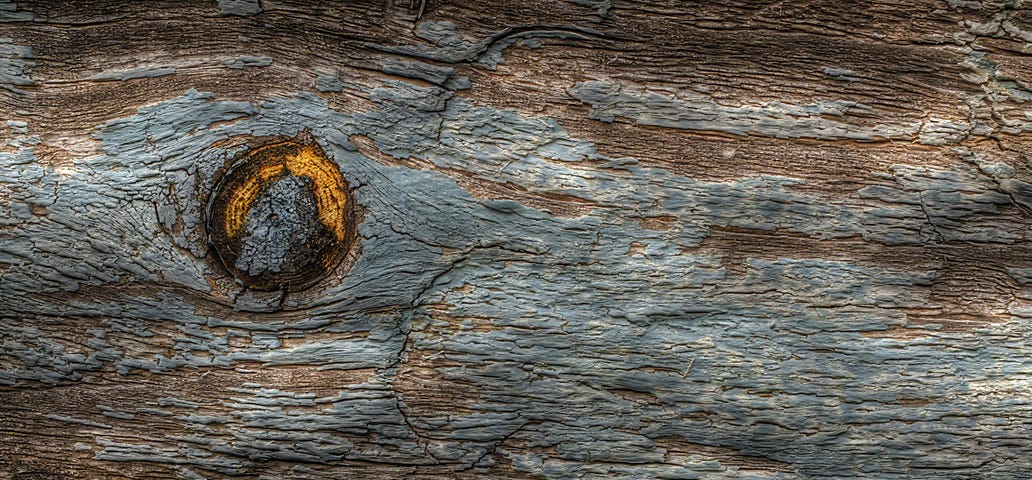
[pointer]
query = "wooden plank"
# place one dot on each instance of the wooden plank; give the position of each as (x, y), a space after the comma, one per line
(650, 239)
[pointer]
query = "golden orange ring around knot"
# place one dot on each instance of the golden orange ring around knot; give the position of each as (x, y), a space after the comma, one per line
(243, 185)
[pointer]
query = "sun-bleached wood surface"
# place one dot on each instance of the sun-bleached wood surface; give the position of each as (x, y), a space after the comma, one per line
(648, 239)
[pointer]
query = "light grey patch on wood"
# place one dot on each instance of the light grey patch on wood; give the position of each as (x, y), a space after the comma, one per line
(841, 74)
(531, 153)
(142, 72)
(78, 421)
(9, 12)
(134, 179)
(492, 54)
(24, 142)
(327, 81)
(48, 360)
(440, 76)
(448, 46)
(15, 65)
(18, 126)
(600, 7)
(940, 131)
(363, 409)
(113, 413)
(246, 61)
(531, 43)
(1000, 104)
(1002, 23)
(1021, 275)
(187, 474)
(308, 429)
(695, 112)
(695, 342)
(780, 120)
(1019, 190)
(242, 8)
(379, 351)
(958, 204)
(127, 452)
(176, 402)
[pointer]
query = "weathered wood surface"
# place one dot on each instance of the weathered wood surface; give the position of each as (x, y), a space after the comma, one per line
(648, 239)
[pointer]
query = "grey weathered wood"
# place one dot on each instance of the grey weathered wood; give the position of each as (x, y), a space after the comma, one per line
(648, 239)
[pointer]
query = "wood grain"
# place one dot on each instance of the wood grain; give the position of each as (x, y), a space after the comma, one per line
(650, 239)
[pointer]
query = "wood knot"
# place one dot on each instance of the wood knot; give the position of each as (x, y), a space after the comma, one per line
(281, 217)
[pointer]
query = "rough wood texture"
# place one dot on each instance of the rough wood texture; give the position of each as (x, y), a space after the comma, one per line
(648, 239)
